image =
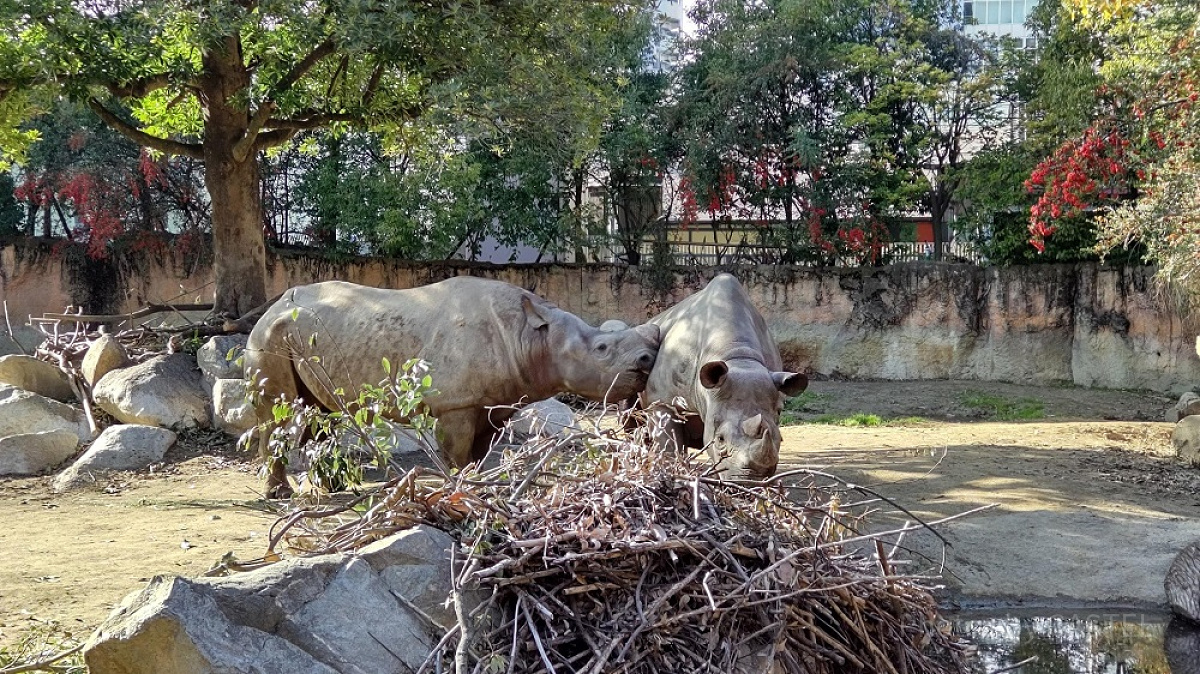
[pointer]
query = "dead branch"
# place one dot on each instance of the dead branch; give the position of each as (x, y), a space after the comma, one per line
(605, 555)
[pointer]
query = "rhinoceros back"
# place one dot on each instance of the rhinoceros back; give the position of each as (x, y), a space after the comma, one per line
(469, 330)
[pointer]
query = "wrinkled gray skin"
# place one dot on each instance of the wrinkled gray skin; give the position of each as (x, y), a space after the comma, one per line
(487, 343)
(717, 356)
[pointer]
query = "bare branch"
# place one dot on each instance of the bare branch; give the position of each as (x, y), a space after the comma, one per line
(141, 137)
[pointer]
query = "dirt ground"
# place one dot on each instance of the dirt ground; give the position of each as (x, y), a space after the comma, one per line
(1091, 507)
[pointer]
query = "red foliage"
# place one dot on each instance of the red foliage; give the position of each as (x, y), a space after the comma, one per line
(687, 200)
(93, 202)
(1082, 173)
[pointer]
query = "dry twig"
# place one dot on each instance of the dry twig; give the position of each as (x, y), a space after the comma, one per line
(604, 555)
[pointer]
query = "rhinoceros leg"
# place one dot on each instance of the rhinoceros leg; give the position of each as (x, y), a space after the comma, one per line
(270, 368)
(467, 434)
(458, 435)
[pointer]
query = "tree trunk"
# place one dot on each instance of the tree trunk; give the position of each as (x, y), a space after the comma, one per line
(939, 204)
(239, 252)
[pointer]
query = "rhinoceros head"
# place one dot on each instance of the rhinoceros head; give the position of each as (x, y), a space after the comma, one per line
(601, 365)
(741, 422)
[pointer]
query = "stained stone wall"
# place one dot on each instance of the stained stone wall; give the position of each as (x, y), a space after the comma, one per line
(1082, 324)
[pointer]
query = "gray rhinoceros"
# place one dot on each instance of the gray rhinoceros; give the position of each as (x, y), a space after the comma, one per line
(717, 356)
(487, 343)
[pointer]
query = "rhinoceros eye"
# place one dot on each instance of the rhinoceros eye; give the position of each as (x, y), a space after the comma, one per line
(602, 348)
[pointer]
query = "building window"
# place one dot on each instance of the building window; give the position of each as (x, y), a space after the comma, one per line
(997, 12)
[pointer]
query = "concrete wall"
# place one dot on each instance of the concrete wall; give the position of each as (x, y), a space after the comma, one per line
(1081, 324)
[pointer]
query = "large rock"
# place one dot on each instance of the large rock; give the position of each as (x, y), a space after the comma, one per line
(545, 418)
(163, 391)
(22, 340)
(1189, 404)
(1181, 643)
(335, 614)
(103, 356)
(221, 357)
(24, 412)
(1186, 439)
(33, 453)
(122, 447)
(36, 376)
(232, 412)
(1182, 583)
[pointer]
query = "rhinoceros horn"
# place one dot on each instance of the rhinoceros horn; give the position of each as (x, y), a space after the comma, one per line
(752, 427)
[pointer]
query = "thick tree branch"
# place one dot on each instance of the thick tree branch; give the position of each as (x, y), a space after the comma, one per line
(139, 88)
(314, 120)
(141, 137)
(275, 138)
(372, 86)
(306, 64)
(246, 143)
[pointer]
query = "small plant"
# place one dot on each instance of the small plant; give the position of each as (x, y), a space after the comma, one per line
(46, 647)
(856, 420)
(1000, 408)
(807, 402)
(361, 423)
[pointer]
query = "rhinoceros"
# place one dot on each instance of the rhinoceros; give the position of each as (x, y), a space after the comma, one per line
(717, 355)
(487, 343)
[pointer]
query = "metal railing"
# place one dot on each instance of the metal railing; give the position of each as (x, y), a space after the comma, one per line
(708, 253)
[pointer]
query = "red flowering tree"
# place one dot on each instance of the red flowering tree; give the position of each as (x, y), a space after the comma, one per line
(100, 190)
(1134, 169)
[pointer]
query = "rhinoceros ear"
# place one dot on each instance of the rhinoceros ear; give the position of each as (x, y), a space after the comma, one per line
(712, 373)
(650, 332)
(790, 383)
(532, 315)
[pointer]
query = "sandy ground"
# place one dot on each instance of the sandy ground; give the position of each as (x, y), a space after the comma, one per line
(1091, 506)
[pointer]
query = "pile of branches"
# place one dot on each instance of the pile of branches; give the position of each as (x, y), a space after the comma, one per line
(595, 553)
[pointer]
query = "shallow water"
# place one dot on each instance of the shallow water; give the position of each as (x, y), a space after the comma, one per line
(1079, 642)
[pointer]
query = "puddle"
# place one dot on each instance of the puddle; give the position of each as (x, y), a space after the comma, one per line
(1082, 642)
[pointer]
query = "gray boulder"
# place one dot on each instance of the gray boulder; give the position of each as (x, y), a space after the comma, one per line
(1182, 583)
(334, 613)
(33, 453)
(1186, 438)
(22, 340)
(23, 412)
(214, 357)
(545, 418)
(163, 391)
(103, 356)
(122, 447)
(1189, 404)
(1181, 643)
(36, 376)
(232, 413)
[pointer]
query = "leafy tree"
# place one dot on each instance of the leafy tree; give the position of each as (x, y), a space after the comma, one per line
(220, 81)
(844, 115)
(1152, 75)
(1058, 92)
(11, 214)
(761, 105)
(99, 188)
